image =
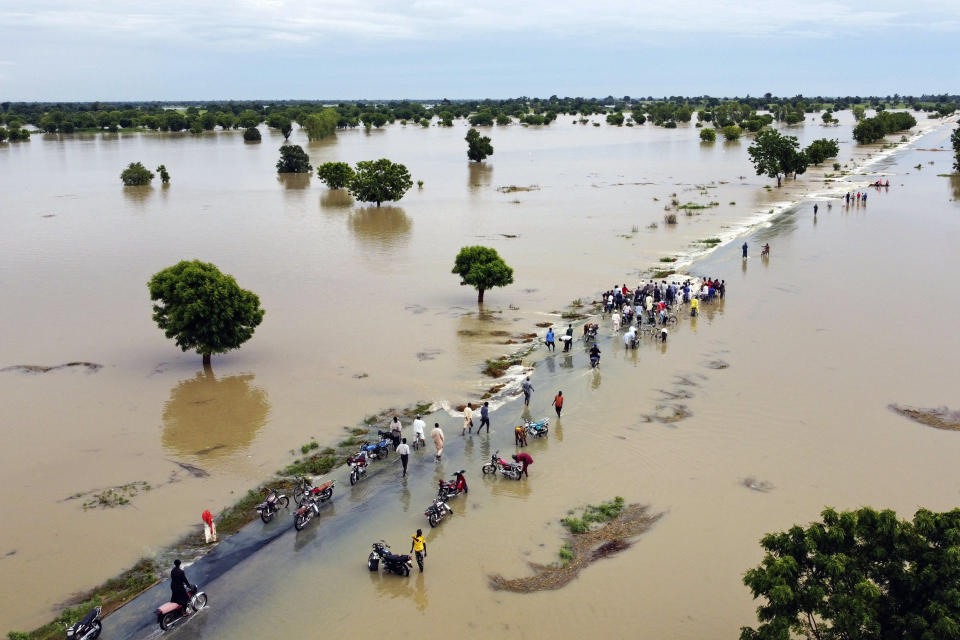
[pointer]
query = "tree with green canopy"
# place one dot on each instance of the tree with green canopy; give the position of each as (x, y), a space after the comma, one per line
(731, 132)
(863, 575)
(252, 134)
(203, 309)
(321, 125)
(293, 159)
(379, 181)
(336, 175)
(773, 154)
(478, 147)
(820, 150)
(164, 174)
(955, 139)
(482, 268)
(708, 134)
(136, 175)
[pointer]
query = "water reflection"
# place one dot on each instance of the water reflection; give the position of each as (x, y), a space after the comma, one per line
(137, 196)
(383, 227)
(336, 199)
(479, 175)
(294, 180)
(212, 418)
(420, 593)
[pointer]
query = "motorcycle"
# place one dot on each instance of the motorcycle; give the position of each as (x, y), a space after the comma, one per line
(358, 466)
(508, 469)
(377, 450)
(88, 628)
(453, 488)
(171, 613)
(272, 504)
(437, 511)
(398, 564)
(310, 506)
(594, 357)
(590, 331)
(538, 428)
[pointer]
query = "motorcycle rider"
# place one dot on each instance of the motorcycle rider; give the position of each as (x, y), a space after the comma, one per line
(179, 585)
(595, 353)
(419, 547)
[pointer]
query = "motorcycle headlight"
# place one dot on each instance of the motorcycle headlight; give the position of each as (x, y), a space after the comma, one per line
(70, 632)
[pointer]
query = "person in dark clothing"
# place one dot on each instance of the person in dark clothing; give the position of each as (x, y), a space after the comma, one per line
(484, 417)
(744, 249)
(179, 584)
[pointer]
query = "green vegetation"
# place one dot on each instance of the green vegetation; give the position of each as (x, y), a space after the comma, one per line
(306, 448)
(710, 241)
(164, 174)
(566, 554)
(136, 175)
(496, 368)
(293, 159)
(776, 155)
(662, 273)
(731, 132)
(336, 175)
(860, 574)
(478, 147)
(321, 125)
(872, 129)
(203, 309)
(708, 134)
(482, 268)
(315, 465)
(615, 119)
(859, 112)
(955, 139)
(820, 150)
(593, 514)
(251, 134)
(670, 218)
(695, 205)
(668, 259)
(379, 181)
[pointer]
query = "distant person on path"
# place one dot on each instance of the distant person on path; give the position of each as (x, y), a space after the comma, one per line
(551, 342)
(484, 417)
(815, 208)
(558, 402)
(520, 436)
(766, 251)
(467, 419)
(616, 322)
(864, 197)
(437, 435)
(744, 249)
(527, 390)
(848, 197)
(525, 459)
(418, 426)
(404, 451)
(419, 548)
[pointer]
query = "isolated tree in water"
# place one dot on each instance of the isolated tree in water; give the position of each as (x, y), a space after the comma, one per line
(136, 175)
(860, 574)
(293, 159)
(820, 150)
(203, 309)
(379, 181)
(336, 175)
(773, 154)
(955, 139)
(482, 268)
(478, 147)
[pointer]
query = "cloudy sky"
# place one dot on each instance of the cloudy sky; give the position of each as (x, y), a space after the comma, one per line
(218, 49)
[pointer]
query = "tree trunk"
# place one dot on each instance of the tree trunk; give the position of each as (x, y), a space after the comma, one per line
(778, 181)
(480, 296)
(378, 203)
(206, 360)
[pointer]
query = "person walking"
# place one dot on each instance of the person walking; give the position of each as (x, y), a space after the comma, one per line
(419, 548)
(520, 436)
(395, 432)
(616, 322)
(467, 419)
(437, 435)
(550, 340)
(525, 459)
(815, 209)
(568, 341)
(558, 402)
(404, 451)
(418, 426)
(484, 417)
(527, 391)
(744, 250)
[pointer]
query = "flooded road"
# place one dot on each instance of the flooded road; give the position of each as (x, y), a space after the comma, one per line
(815, 354)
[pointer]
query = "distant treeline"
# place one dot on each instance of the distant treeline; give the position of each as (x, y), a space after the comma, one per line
(198, 117)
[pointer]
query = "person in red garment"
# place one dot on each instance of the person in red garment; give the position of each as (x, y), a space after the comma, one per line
(525, 459)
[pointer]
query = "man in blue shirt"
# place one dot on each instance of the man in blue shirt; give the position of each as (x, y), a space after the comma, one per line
(484, 417)
(550, 339)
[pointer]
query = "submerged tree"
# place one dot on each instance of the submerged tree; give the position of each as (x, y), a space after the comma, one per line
(860, 574)
(955, 139)
(164, 174)
(820, 150)
(482, 268)
(379, 181)
(321, 125)
(478, 147)
(251, 134)
(708, 134)
(775, 155)
(336, 175)
(203, 309)
(293, 159)
(136, 175)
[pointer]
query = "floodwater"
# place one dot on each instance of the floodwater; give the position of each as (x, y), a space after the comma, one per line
(815, 339)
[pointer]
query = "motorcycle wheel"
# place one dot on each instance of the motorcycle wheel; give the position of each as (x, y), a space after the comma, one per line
(284, 502)
(96, 629)
(354, 477)
(266, 515)
(168, 619)
(326, 494)
(300, 520)
(433, 519)
(298, 495)
(199, 601)
(517, 474)
(372, 562)
(488, 468)
(406, 571)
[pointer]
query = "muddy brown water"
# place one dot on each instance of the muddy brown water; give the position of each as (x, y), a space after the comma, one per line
(815, 348)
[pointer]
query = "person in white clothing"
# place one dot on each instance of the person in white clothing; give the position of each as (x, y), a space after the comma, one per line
(418, 429)
(404, 450)
(467, 419)
(616, 322)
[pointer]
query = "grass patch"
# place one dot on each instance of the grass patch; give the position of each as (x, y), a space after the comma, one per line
(668, 259)
(670, 218)
(566, 554)
(512, 188)
(306, 448)
(712, 242)
(315, 465)
(694, 205)
(496, 368)
(939, 418)
(662, 273)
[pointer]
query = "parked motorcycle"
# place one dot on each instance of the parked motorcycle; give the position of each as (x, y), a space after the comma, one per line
(272, 504)
(398, 564)
(453, 488)
(88, 628)
(358, 466)
(538, 428)
(377, 450)
(310, 506)
(303, 484)
(437, 511)
(171, 613)
(508, 469)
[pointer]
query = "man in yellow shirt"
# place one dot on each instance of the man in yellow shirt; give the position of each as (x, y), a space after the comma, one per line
(419, 547)
(694, 307)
